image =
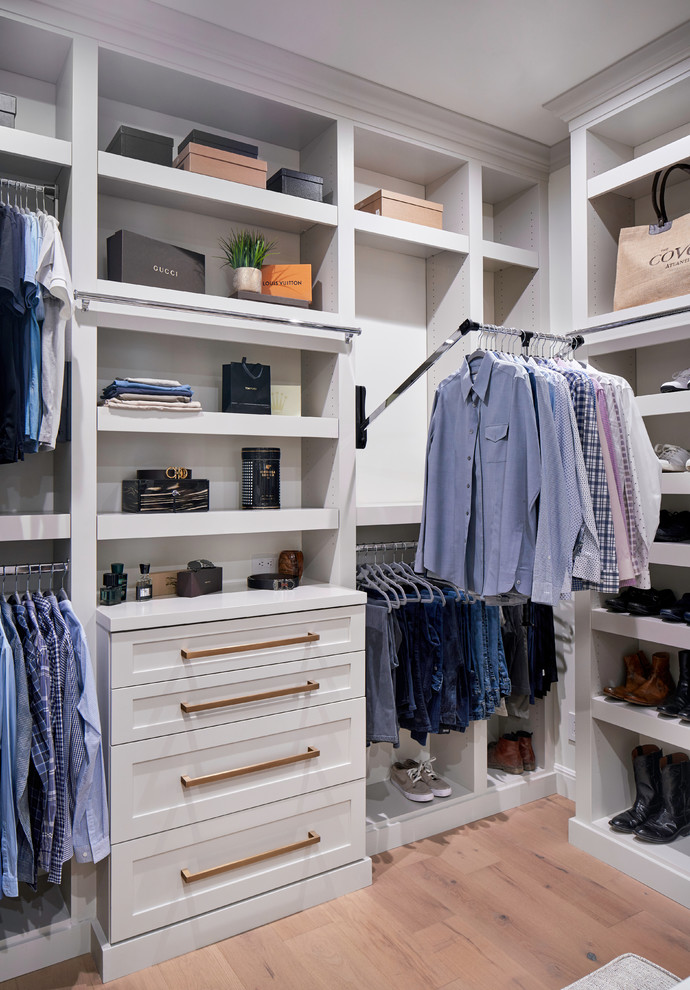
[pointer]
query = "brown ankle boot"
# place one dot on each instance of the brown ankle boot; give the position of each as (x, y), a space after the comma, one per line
(529, 760)
(637, 670)
(658, 685)
(505, 754)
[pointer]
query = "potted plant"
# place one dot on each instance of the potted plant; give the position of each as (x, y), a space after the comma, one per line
(245, 252)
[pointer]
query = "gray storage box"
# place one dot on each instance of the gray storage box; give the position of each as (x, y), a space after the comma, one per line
(8, 110)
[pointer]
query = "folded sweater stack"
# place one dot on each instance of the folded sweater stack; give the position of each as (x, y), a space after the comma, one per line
(150, 393)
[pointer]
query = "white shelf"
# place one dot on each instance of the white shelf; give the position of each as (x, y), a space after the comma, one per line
(675, 483)
(34, 156)
(404, 237)
(673, 554)
(214, 424)
(664, 403)
(404, 514)
(145, 525)
(235, 320)
(128, 178)
(35, 526)
(498, 256)
(647, 333)
(652, 630)
(241, 604)
(633, 178)
(643, 721)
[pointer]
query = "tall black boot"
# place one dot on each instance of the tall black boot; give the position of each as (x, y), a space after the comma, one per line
(673, 819)
(648, 787)
(680, 699)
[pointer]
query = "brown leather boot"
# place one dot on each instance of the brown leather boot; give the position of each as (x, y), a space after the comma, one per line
(657, 687)
(529, 760)
(505, 754)
(637, 670)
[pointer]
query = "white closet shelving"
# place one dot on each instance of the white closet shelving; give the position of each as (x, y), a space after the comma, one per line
(616, 147)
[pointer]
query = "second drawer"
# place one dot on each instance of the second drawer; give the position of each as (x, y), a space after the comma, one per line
(177, 780)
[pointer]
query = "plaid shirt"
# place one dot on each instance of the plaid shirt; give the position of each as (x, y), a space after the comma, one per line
(584, 403)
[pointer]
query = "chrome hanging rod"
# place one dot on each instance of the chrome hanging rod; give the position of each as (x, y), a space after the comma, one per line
(381, 547)
(10, 570)
(635, 319)
(86, 298)
(50, 190)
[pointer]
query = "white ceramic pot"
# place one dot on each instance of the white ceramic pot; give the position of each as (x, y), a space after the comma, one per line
(247, 280)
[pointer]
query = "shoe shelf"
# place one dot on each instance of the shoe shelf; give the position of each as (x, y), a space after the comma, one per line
(649, 629)
(647, 722)
(675, 483)
(673, 554)
(215, 424)
(402, 514)
(664, 404)
(128, 178)
(123, 525)
(35, 526)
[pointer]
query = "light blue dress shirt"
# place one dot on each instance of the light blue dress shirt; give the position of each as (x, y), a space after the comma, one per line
(483, 471)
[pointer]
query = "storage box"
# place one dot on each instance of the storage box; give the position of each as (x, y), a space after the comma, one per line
(223, 165)
(164, 583)
(143, 145)
(8, 110)
(205, 581)
(399, 207)
(299, 184)
(219, 142)
(142, 495)
(144, 261)
(286, 400)
(291, 281)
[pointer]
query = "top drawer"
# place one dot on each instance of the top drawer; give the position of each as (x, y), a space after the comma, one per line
(149, 655)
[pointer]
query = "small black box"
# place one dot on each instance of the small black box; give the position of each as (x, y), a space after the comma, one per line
(143, 495)
(299, 184)
(143, 145)
(247, 388)
(220, 143)
(143, 261)
(191, 584)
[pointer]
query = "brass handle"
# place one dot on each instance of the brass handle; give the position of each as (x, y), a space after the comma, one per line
(212, 778)
(223, 650)
(312, 839)
(207, 706)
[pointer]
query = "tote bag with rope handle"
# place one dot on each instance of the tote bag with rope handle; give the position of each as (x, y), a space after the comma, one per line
(654, 260)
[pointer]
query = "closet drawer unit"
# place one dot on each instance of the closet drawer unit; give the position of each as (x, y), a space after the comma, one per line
(181, 651)
(169, 782)
(161, 879)
(147, 710)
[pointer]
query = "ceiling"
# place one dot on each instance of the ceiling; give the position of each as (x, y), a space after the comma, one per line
(496, 60)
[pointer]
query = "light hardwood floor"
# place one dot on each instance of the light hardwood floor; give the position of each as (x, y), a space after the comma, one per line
(502, 903)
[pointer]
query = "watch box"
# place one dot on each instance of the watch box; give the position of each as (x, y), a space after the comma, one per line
(148, 495)
(145, 261)
(130, 142)
(205, 581)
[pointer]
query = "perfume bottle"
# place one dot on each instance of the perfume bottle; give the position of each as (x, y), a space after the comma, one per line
(144, 584)
(119, 569)
(110, 592)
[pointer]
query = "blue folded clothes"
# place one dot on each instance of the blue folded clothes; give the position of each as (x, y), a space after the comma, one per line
(132, 387)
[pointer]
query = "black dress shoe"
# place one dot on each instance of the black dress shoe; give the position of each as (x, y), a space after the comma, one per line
(674, 527)
(651, 602)
(676, 613)
(622, 601)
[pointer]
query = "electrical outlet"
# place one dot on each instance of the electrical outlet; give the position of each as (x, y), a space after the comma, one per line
(571, 726)
(264, 565)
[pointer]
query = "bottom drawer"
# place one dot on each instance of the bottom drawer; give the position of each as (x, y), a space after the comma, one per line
(161, 879)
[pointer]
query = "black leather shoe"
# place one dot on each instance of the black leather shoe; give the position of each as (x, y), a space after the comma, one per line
(676, 613)
(622, 601)
(651, 602)
(674, 527)
(678, 702)
(647, 804)
(673, 819)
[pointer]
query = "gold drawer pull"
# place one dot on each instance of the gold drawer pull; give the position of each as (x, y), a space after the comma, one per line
(212, 778)
(312, 839)
(207, 706)
(223, 650)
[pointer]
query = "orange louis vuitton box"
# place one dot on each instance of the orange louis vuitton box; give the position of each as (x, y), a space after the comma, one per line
(290, 281)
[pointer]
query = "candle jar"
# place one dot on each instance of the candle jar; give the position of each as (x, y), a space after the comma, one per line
(291, 562)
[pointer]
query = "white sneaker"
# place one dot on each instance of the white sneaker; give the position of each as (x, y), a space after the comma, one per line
(679, 383)
(672, 458)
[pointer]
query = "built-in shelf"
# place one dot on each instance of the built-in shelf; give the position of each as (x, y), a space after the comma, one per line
(643, 721)
(35, 526)
(664, 403)
(675, 483)
(633, 178)
(498, 256)
(404, 237)
(128, 178)
(35, 157)
(652, 630)
(674, 554)
(404, 514)
(214, 424)
(125, 525)
(645, 333)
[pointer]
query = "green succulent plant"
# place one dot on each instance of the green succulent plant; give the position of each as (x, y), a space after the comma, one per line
(245, 249)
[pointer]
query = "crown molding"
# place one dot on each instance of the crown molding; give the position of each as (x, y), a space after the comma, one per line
(154, 31)
(635, 69)
(560, 155)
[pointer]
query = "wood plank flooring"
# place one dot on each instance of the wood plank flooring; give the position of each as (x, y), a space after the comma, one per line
(500, 904)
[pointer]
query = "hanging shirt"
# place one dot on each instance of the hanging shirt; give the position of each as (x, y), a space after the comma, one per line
(8, 752)
(53, 274)
(482, 480)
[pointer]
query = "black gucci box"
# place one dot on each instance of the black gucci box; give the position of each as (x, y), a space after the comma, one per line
(147, 495)
(144, 261)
